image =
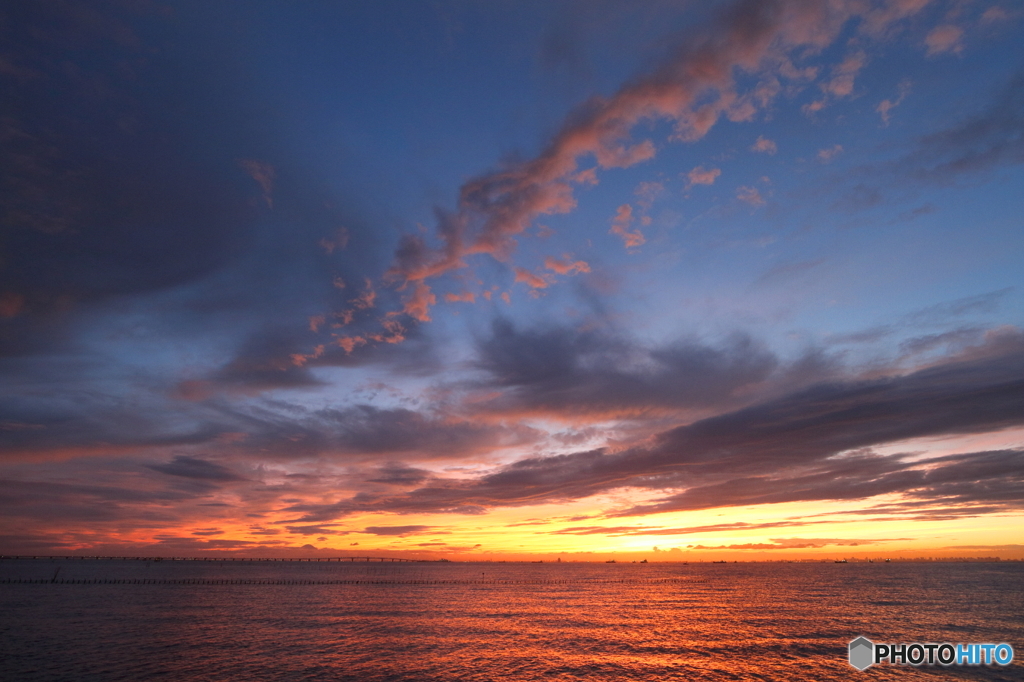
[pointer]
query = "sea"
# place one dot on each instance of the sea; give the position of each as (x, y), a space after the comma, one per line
(143, 619)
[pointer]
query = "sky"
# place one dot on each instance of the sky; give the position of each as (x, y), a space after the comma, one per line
(678, 280)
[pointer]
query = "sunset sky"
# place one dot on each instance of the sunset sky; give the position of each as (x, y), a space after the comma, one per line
(675, 280)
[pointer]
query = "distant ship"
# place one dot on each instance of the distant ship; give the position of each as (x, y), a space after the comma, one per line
(644, 561)
(842, 561)
(610, 561)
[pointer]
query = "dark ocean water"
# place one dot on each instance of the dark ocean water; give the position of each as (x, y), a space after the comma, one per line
(486, 621)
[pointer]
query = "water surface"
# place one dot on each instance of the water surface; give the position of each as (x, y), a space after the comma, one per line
(419, 622)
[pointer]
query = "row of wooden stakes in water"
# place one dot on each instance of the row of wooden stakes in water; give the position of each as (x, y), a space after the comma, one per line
(249, 581)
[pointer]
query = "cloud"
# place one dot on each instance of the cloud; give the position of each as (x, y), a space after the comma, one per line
(702, 176)
(367, 298)
(750, 195)
(991, 138)
(566, 266)
(886, 105)
(801, 543)
(266, 360)
(365, 429)
(945, 38)
(621, 224)
(841, 84)
(464, 297)
(946, 311)
(531, 280)
(193, 467)
(400, 531)
(763, 145)
(809, 445)
(692, 90)
(566, 371)
(994, 14)
(399, 474)
(647, 193)
(828, 153)
(689, 530)
(788, 271)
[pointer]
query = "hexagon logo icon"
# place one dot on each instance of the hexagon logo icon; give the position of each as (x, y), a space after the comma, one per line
(862, 653)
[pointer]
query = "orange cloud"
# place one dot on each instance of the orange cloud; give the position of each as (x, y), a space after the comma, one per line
(298, 359)
(418, 304)
(465, 297)
(349, 343)
(396, 332)
(531, 280)
(367, 298)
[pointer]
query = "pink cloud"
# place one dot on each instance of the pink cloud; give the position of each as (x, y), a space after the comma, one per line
(349, 343)
(367, 298)
(993, 14)
(814, 107)
(418, 304)
(299, 359)
(648, 192)
(750, 195)
(620, 226)
(887, 105)
(843, 75)
(692, 91)
(763, 145)
(395, 332)
(829, 153)
(879, 19)
(945, 38)
(702, 176)
(566, 266)
(531, 280)
(464, 297)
